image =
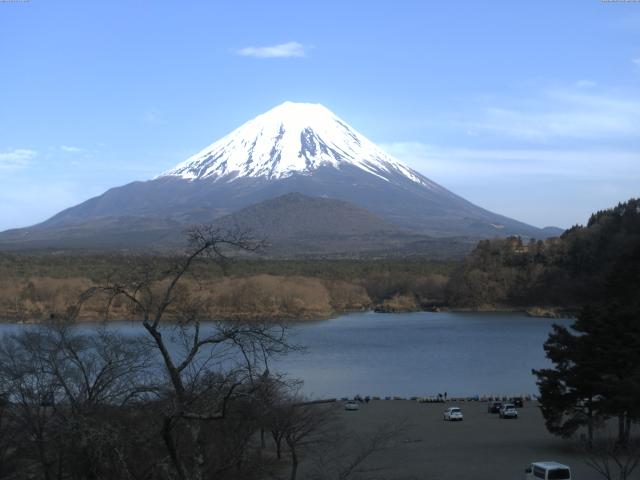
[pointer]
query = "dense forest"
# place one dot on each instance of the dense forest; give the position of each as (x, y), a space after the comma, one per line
(563, 272)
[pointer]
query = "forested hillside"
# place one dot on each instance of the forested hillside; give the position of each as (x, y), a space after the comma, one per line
(566, 272)
(586, 264)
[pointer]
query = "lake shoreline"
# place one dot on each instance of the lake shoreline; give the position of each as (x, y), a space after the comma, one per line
(531, 311)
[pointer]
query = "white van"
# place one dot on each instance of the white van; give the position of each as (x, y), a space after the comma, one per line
(548, 471)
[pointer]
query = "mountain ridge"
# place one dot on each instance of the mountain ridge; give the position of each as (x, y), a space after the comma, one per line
(291, 148)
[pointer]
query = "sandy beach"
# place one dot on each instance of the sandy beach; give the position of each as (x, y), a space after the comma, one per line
(483, 446)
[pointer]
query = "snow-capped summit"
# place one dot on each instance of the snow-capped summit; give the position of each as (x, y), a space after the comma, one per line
(288, 139)
(257, 174)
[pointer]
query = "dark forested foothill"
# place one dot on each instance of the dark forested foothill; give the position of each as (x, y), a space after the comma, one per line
(564, 272)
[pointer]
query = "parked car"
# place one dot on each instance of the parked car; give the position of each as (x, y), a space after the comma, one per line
(494, 407)
(453, 414)
(351, 405)
(508, 410)
(548, 471)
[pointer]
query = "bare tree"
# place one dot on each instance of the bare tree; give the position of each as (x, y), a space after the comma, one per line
(64, 391)
(190, 350)
(296, 423)
(344, 456)
(185, 400)
(304, 427)
(6, 434)
(611, 459)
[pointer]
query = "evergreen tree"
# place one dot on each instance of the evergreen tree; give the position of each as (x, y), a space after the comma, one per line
(568, 393)
(596, 372)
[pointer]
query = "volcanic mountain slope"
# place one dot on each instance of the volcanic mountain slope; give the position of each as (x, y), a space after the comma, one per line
(299, 216)
(291, 148)
(295, 225)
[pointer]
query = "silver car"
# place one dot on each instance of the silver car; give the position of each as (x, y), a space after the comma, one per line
(351, 405)
(508, 411)
(453, 414)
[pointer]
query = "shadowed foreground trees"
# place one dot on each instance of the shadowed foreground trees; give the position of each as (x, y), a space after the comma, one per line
(181, 399)
(210, 369)
(179, 402)
(95, 404)
(595, 381)
(611, 460)
(71, 402)
(596, 374)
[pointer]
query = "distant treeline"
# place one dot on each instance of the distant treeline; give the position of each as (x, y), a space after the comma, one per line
(38, 286)
(564, 272)
(96, 266)
(508, 273)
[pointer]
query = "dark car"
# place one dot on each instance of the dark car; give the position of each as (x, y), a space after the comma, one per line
(517, 401)
(494, 407)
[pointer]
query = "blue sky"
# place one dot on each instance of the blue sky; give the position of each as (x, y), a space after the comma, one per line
(529, 109)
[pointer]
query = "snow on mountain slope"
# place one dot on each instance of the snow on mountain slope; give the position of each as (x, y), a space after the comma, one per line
(291, 138)
(295, 147)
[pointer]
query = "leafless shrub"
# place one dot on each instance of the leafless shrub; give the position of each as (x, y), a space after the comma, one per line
(611, 459)
(345, 456)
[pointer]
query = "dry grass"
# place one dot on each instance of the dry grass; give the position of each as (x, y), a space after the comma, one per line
(35, 288)
(270, 296)
(257, 296)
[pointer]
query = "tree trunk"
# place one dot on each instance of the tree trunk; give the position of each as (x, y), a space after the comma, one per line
(45, 465)
(590, 424)
(627, 430)
(171, 448)
(194, 428)
(294, 462)
(174, 374)
(621, 429)
(42, 454)
(278, 441)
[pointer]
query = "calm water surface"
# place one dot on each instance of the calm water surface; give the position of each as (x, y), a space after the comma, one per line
(410, 354)
(420, 354)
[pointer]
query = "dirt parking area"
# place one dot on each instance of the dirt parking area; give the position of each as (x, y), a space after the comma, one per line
(482, 446)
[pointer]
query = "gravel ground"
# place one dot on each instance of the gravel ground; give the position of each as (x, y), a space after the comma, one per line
(483, 446)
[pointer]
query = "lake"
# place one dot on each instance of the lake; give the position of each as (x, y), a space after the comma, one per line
(420, 354)
(411, 354)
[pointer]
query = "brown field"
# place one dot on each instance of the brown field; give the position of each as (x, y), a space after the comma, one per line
(258, 296)
(34, 288)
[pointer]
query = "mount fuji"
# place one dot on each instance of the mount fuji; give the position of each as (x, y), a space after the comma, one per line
(293, 148)
(290, 139)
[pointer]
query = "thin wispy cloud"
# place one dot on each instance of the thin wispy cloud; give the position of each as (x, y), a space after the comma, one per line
(71, 149)
(487, 162)
(283, 50)
(636, 61)
(16, 158)
(561, 114)
(541, 179)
